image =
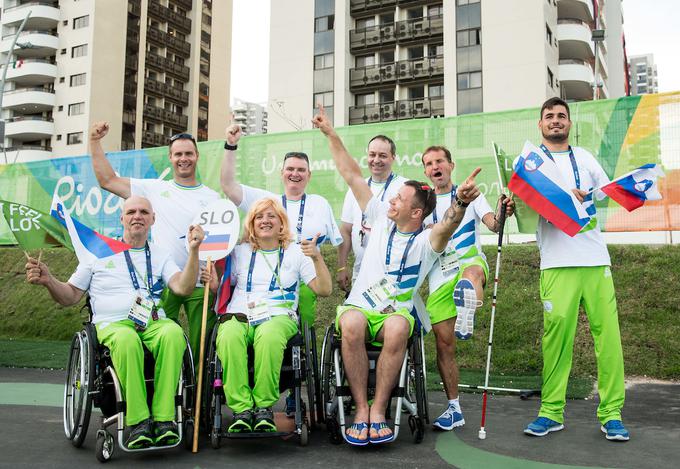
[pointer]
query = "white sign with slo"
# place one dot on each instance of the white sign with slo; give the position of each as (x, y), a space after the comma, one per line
(221, 223)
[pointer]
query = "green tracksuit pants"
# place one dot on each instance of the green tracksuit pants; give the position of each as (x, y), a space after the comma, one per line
(193, 308)
(307, 304)
(269, 341)
(562, 291)
(165, 340)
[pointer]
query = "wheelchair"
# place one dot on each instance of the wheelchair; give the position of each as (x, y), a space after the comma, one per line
(298, 371)
(91, 380)
(410, 391)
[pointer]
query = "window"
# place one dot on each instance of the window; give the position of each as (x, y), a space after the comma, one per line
(76, 109)
(468, 16)
(325, 23)
(325, 99)
(469, 80)
(415, 52)
(386, 57)
(60, 108)
(63, 52)
(387, 18)
(435, 50)
(416, 92)
(467, 2)
(386, 96)
(78, 80)
(79, 51)
(59, 138)
(81, 22)
(435, 91)
(365, 61)
(365, 99)
(469, 37)
(548, 34)
(365, 23)
(61, 79)
(470, 101)
(323, 61)
(551, 78)
(74, 138)
(414, 13)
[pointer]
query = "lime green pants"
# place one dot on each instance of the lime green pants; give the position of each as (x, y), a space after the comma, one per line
(165, 340)
(562, 291)
(269, 341)
(193, 308)
(307, 304)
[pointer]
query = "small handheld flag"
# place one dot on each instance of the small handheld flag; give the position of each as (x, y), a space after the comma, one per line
(633, 189)
(32, 228)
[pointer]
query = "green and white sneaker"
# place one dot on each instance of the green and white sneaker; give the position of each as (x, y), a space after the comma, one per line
(140, 436)
(243, 422)
(264, 420)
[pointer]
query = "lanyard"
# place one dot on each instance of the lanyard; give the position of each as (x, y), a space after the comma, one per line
(574, 167)
(149, 275)
(388, 256)
(381, 194)
(275, 276)
(301, 215)
(453, 197)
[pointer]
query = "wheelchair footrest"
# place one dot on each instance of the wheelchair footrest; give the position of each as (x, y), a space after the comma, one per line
(245, 435)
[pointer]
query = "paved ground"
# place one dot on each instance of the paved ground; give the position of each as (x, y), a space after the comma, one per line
(31, 435)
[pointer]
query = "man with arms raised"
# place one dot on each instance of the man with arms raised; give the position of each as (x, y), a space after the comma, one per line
(124, 292)
(457, 279)
(576, 271)
(176, 203)
(396, 261)
(354, 228)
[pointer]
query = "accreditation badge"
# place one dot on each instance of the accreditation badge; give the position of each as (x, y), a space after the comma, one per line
(141, 310)
(258, 312)
(449, 263)
(380, 292)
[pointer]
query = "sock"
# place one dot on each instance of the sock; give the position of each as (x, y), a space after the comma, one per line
(455, 404)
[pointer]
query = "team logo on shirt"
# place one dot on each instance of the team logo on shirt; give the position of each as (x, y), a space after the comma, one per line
(532, 162)
(110, 265)
(165, 194)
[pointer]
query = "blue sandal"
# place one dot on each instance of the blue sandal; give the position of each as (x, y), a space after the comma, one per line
(380, 439)
(360, 427)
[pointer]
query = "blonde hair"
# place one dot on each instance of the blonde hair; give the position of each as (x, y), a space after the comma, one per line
(259, 207)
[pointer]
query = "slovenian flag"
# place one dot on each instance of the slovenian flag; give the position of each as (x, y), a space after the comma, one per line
(87, 243)
(537, 181)
(224, 290)
(215, 242)
(633, 189)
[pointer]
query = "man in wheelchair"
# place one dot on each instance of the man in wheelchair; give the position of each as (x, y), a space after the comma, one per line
(398, 257)
(124, 291)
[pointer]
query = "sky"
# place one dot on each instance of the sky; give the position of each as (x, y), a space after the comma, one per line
(650, 26)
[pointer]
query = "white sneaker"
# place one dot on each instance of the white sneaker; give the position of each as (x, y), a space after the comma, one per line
(450, 419)
(465, 299)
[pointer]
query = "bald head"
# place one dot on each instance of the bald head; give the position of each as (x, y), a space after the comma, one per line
(137, 219)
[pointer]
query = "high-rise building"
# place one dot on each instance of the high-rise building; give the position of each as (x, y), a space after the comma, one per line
(251, 117)
(151, 68)
(643, 75)
(382, 60)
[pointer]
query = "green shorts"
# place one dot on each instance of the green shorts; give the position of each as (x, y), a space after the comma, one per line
(375, 320)
(440, 304)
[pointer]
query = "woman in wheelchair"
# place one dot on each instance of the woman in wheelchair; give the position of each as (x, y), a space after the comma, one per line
(268, 269)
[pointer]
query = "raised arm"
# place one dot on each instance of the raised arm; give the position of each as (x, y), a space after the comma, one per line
(183, 283)
(106, 176)
(442, 231)
(63, 293)
(230, 185)
(321, 284)
(346, 165)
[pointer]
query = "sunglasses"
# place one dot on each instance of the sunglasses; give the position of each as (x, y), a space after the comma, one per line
(182, 136)
(296, 154)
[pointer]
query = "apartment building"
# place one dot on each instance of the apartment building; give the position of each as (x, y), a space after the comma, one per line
(251, 117)
(643, 74)
(151, 68)
(383, 60)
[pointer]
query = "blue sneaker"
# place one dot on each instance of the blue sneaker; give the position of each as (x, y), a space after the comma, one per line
(465, 299)
(615, 431)
(290, 405)
(542, 426)
(450, 419)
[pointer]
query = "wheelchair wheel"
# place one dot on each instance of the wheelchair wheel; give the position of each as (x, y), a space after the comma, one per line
(317, 381)
(417, 373)
(189, 434)
(327, 373)
(104, 446)
(417, 428)
(310, 375)
(77, 398)
(304, 435)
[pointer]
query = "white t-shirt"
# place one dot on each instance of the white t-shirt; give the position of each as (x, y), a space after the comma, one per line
(110, 284)
(420, 259)
(175, 206)
(466, 240)
(281, 298)
(351, 213)
(317, 217)
(587, 248)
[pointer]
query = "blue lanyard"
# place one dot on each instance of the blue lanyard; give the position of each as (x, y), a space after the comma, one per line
(301, 214)
(149, 275)
(387, 184)
(388, 256)
(574, 167)
(453, 197)
(249, 280)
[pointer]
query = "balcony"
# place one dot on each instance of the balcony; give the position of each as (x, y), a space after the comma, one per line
(574, 38)
(36, 43)
(25, 154)
(44, 15)
(166, 40)
(576, 79)
(375, 37)
(152, 139)
(163, 13)
(164, 64)
(578, 9)
(29, 128)
(399, 110)
(29, 99)
(403, 71)
(33, 72)
(357, 7)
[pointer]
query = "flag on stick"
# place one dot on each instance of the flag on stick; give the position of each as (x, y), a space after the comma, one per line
(633, 189)
(32, 228)
(537, 181)
(526, 217)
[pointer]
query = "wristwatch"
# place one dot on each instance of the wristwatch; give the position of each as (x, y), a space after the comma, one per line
(228, 146)
(460, 203)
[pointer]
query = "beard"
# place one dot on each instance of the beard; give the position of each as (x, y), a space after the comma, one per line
(556, 137)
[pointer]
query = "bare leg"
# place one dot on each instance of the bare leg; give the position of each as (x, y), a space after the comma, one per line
(446, 356)
(475, 274)
(353, 327)
(393, 335)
